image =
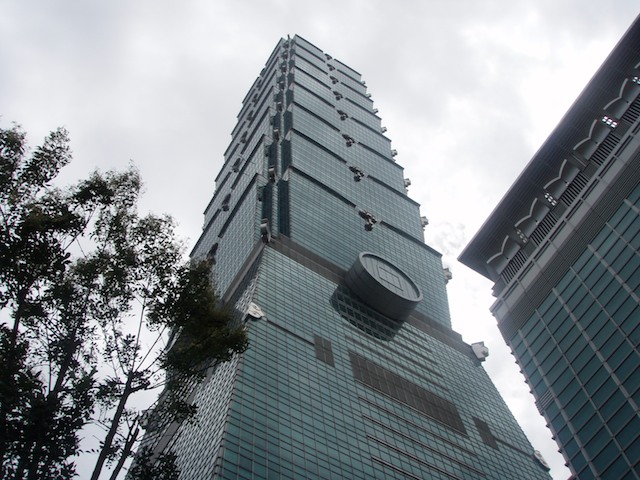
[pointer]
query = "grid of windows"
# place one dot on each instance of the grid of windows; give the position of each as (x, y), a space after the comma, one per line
(309, 58)
(356, 97)
(384, 203)
(320, 106)
(312, 84)
(314, 125)
(237, 242)
(323, 350)
(351, 83)
(295, 416)
(361, 132)
(334, 230)
(369, 164)
(581, 344)
(396, 386)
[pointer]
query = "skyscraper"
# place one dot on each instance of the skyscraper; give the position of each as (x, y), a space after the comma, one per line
(562, 249)
(353, 370)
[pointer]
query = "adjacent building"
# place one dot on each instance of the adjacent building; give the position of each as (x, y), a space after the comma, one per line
(563, 250)
(353, 370)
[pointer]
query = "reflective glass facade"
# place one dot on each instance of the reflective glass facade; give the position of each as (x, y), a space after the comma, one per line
(566, 267)
(330, 387)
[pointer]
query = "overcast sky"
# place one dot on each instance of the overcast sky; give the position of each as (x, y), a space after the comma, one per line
(468, 90)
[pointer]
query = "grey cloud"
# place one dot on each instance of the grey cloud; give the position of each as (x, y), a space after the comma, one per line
(161, 83)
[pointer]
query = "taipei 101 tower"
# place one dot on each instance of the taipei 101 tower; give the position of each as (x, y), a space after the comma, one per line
(353, 370)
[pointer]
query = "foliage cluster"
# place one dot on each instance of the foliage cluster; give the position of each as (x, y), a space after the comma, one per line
(90, 291)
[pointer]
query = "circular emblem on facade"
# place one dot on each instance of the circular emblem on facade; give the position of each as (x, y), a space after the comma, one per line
(383, 286)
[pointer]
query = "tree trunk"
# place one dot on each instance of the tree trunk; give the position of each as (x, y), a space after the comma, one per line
(115, 421)
(133, 436)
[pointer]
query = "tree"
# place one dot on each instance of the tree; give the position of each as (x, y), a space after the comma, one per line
(36, 228)
(90, 292)
(148, 468)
